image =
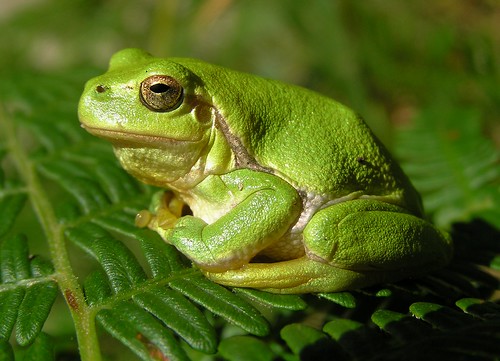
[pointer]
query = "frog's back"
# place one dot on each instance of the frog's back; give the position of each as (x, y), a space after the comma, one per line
(319, 145)
(325, 148)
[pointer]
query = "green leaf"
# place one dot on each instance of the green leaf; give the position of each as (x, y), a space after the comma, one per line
(120, 265)
(141, 332)
(42, 349)
(14, 263)
(402, 327)
(245, 348)
(222, 302)
(161, 257)
(309, 343)
(83, 188)
(97, 288)
(384, 292)
(344, 299)
(26, 294)
(115, 182)
(356, 339)
(6, 352)
(479, 308)
(441, 330)
(10, 300)
(339, 327)
(40, 267)
(286, 302)
(452, 164)
(439, 316)
(125, 274)
(34, 310)
(118, 262)
(298, 336)
(181, 316)
(10, 206)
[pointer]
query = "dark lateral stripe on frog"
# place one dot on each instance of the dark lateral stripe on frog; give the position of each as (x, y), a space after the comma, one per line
(242, 158)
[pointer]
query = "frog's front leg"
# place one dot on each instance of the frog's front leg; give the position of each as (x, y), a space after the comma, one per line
(255, 210)
(165, 209)
(350, 245)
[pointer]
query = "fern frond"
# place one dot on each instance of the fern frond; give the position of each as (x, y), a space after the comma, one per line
(452, 164)
(27, 291)
(449, 331)
(431, 331)
(245, 348)
(344, 299)
(309, 343)
(6, 352)
(141, 332)
(42, 349)
(222, 302)
(12, 200)
(285, 302)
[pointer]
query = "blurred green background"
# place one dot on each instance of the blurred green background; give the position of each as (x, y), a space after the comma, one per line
(385, 58)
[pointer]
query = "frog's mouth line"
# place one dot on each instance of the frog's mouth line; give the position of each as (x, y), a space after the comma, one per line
(120, 138)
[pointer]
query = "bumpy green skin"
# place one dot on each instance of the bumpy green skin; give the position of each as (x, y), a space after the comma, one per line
(290, 190)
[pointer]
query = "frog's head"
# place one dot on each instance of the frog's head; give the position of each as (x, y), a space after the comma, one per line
(155, 113)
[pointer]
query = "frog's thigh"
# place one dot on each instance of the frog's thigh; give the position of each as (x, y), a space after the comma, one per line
(369, 235)
(350, 245)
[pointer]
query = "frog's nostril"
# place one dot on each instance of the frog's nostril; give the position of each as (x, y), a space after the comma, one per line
(100, 88)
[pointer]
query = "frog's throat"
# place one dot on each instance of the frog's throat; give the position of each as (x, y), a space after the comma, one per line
(121, 138)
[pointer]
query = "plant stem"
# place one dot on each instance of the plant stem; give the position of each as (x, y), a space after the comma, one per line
(82, 314)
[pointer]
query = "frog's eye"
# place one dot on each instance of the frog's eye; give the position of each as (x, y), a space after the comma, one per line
(161, 93)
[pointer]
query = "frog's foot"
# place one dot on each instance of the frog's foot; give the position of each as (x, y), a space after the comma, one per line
(168, 208)
(302, 275)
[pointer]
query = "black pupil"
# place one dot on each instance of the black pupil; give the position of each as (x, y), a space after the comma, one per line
(159, 88)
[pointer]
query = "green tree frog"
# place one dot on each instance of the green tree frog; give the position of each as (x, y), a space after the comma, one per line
(290, 191)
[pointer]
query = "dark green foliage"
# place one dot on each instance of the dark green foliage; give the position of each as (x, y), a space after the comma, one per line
(245, 348)
(42, 349)
(27, 292)
(453, 164)
(10, 206)
(294, 303)
(345, 299)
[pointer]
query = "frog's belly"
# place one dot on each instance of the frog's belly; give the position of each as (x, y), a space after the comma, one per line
(288, 247)
(291, 245)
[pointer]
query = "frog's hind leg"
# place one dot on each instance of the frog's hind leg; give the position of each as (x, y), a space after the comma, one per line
(350, 245)
(375, 236)
(302, 275)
